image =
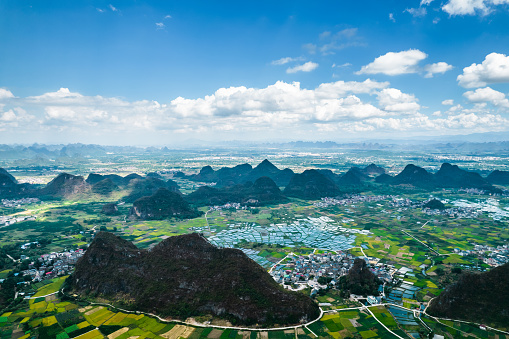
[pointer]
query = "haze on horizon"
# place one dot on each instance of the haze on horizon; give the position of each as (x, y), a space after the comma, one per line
(163, 72)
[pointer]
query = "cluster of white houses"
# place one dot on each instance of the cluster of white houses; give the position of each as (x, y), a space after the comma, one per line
(52, 265)
(298, 269)
(9, 219)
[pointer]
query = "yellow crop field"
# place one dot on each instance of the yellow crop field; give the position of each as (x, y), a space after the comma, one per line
(49, 321)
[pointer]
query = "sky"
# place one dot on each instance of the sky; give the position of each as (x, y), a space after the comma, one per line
(171, 72)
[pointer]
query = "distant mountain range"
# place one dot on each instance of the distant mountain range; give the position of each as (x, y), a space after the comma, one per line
(262, 192)
(163, 204)
(153, 197)
(186, 276)
(227, 176)
(487, 143)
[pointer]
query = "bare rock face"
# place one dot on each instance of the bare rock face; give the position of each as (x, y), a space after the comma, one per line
(110, 209)
(186, 276)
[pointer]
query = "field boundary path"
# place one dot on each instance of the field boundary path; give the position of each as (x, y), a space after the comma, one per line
(437, 319)
(295, 327)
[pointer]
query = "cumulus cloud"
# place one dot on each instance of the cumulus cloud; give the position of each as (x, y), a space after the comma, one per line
(451, 124)
(426, 2)
(63, 94)
(5, 94)
(436, 68)
(448, 102)
(494, 69)
(466, 7)
(160, 25)
(487, 95)
(15, 116)
(306, 67)
(393, 100)
(395, 63)
(281, 109)
(391, 17)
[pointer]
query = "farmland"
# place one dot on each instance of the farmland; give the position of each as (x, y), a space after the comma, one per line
(423, 251)
(59, 317)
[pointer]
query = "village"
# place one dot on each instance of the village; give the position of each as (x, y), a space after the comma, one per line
(11, 219)
(306, 271)
(19, 202)
(52, 265)
(353, 199)
(493, 256)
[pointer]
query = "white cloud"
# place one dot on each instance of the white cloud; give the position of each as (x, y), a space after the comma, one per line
(487, 95)
(286, 60)
(463, 122)
(345, 33)
(167, 17)
(100, 10)
(466, 7)
(307, 67)
(494, 69)
(417, 12)
(310, 48)
(324, 35)
(426, 2)
(5, 94)
(113, 8)
(160, 25)
(334, 90)
(472, 7)
(448, 102)
(339, 40)
(391, 17)
(63, 95)
(279, 110)
(60, 113)
(393, 100)
(436, 68)
(395, 63)
(347, 64)
(15, 116)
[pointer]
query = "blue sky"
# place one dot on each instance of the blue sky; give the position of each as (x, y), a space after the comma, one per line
(162, 72)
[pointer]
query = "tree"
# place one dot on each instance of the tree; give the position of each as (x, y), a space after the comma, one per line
(456, 270)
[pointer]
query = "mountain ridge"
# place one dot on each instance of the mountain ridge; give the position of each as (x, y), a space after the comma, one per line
(186, 276)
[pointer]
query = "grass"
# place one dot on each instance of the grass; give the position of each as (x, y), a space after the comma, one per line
(455, 259)
(53, 287)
